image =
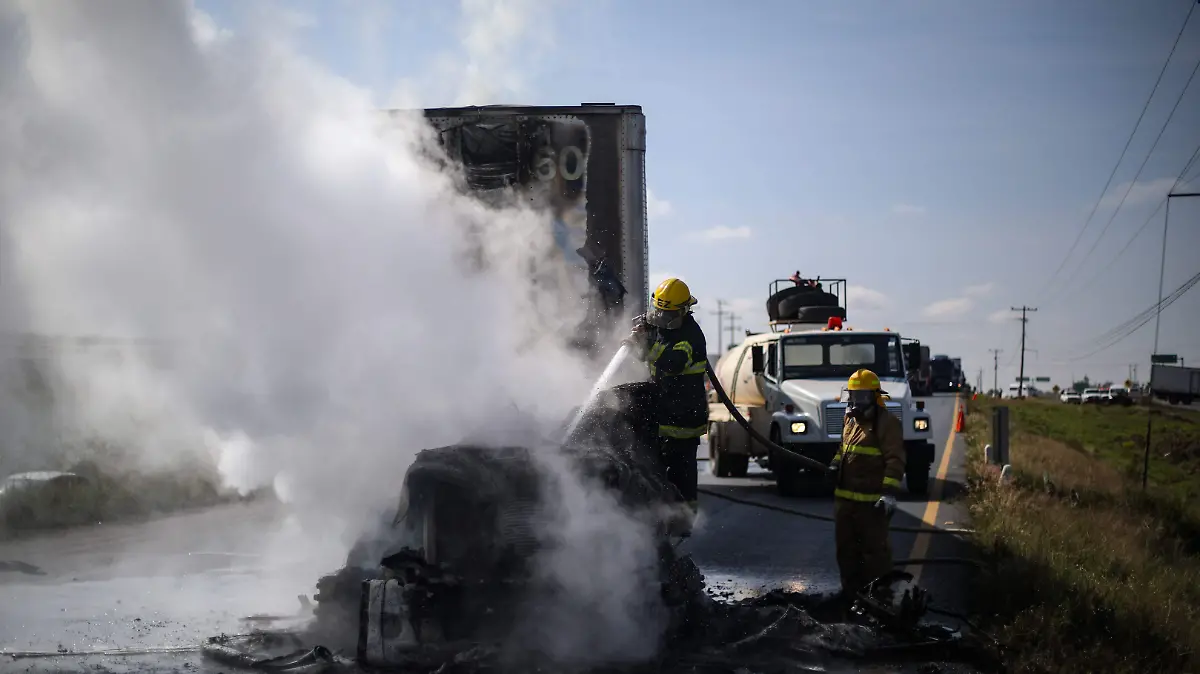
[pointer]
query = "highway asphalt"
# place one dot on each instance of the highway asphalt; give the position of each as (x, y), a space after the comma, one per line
(174, 581)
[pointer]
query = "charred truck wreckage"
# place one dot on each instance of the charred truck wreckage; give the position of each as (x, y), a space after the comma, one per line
(450, 581)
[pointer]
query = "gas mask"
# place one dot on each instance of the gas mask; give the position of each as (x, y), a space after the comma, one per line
(862, 404)
(666, 320)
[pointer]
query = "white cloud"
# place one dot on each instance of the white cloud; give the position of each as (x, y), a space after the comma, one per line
(1000, 316)
(862, 298)
(908, 209)
(721, 233)
(955, 306)
(979, 290)
(657, 277)
(1140, 193)
(205, 30)
(657, 208)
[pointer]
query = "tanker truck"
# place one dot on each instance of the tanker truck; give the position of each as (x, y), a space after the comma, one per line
(788, 384)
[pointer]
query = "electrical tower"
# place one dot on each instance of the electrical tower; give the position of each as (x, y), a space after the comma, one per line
(996, 369)
(732, 326)
(720, 314)
(1021, 377)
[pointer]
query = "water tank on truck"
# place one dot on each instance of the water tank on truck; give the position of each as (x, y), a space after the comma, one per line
(788, 383)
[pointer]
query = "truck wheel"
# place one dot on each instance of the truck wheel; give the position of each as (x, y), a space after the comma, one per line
(731, 465)
(917, 480)
(722, 463)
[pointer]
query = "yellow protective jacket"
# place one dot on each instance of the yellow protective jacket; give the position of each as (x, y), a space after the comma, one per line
(870, 460)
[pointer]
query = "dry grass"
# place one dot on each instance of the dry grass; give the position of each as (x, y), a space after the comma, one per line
(109, 498)
(1086, 575)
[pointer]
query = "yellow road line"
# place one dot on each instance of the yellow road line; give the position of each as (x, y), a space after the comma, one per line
(921, 545)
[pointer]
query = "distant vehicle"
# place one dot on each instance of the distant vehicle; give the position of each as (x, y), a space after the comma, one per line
(40, 497)
(1119, 396)
(1015, 390)
(1093, 396)
(917, 361)
(946, 376)
(1176, 384)
(1071, 397)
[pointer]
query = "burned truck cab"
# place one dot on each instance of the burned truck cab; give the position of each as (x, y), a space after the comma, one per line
(460, 559)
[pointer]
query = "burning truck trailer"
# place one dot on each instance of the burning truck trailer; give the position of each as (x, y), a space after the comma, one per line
(457, 561)
(449, 578)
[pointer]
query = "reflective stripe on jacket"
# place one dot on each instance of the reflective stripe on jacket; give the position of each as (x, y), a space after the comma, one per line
(677, 360)
(871, 459)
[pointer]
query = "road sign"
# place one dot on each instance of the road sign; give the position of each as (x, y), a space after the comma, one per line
(1042, 379)
(1164, 358)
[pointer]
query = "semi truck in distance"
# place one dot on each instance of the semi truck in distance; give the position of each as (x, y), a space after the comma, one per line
(1175, 384)
(788, 384)
(946, 375)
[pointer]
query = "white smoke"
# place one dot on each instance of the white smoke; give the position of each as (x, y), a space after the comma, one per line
(162, 177)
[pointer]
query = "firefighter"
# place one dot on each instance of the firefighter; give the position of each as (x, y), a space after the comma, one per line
(866, 474)
(672, 344)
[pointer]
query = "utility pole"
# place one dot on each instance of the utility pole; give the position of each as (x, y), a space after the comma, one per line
(720, 313)
(1021, 377)
(732, 326)
(1162, 268)
(996, 370)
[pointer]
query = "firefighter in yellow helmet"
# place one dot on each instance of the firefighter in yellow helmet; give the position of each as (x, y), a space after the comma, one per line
(866, 473)
(672, 343)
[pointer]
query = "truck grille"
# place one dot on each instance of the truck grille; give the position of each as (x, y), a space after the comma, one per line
(835, 415)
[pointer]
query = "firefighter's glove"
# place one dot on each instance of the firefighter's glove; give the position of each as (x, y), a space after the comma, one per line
(640, 332)
(831, 475)
(888, 503)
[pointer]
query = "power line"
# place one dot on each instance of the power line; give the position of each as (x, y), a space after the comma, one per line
(1119, 329)
(1143, 167)
(1142, 319)
(1121, 158)
(1181, 180)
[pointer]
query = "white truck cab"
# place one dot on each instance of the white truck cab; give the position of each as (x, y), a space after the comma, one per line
(789, 384)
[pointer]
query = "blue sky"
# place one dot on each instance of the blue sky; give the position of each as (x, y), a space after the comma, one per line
(941, 156)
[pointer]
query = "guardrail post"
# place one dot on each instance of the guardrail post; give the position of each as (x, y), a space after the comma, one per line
(999, 454)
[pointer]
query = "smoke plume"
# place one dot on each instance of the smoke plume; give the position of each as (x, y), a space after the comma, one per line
(291, 254)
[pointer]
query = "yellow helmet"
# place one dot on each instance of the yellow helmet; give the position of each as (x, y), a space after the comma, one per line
(866, 380)
(672, 295)
(863, 380)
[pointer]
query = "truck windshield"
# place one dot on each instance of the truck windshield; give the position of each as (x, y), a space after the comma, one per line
(840, 355)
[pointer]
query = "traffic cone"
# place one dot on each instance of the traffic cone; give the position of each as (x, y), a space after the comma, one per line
(960, 424)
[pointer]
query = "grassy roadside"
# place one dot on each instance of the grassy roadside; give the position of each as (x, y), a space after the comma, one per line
(110, 497)
(1086, 573)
